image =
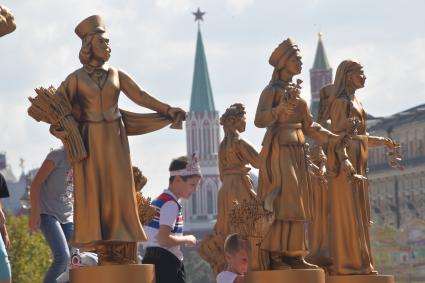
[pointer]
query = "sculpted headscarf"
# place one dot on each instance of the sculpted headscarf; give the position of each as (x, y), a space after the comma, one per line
(338, 89)
(341, 78)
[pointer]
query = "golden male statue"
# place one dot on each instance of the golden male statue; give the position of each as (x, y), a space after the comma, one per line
(284, 182)
(105, 204)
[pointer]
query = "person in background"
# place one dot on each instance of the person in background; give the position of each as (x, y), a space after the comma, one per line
(5, 271)
(236, 253)
(52, 209)
(165, 231)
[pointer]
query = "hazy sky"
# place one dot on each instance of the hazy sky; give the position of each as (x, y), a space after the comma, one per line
(154, 41)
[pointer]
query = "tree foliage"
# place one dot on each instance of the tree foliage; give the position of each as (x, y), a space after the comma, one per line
(29, 255)
(197, 270)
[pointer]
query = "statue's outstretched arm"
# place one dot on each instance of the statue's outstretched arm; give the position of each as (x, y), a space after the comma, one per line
(133, 91)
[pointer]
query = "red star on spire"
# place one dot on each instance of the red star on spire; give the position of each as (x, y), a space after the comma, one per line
(199, 15)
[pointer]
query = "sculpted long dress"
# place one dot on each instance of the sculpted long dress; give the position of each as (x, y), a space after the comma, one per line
(349, 201)
(234, 156)
(318, 234)
(105, 206)
(284, 181)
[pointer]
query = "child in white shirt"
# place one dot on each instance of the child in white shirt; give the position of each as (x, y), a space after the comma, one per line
(236, 253)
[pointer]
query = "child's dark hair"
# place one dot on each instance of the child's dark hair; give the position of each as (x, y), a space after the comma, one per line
(234, 243)
(179, 164)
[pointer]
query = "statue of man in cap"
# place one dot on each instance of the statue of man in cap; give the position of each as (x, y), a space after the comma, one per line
(284, 182)
(105, 214)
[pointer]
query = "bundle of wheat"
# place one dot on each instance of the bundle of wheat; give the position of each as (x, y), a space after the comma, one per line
(145, 209)
(250, 219)
(139, 179)
(53, 108)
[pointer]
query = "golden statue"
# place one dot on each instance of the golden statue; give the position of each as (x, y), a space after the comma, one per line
(284, 183)
(7, 21)
(106, 213)
(349, 201)
(105, 206)
(235, 154)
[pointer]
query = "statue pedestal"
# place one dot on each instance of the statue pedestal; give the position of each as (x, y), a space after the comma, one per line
(131, 273)
(287, 276)
(360, 279)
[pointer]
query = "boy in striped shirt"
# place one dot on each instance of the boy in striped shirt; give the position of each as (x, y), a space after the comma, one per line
(165, 231)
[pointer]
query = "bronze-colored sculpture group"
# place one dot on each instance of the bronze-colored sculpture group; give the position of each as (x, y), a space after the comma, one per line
(323, 188)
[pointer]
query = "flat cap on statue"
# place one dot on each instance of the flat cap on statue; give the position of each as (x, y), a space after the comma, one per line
(91, 24)
(282, 52)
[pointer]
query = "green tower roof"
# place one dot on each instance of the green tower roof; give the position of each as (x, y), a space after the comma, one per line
(320, 60)
(202, 96)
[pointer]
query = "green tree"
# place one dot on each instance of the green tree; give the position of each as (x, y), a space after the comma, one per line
(197, 270)
(30, 255)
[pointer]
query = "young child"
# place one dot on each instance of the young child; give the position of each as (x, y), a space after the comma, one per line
(236, 252)
(165, 231)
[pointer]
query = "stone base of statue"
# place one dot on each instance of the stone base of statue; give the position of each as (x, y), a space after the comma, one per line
(128, 273)
(360, 279)
(287, 276)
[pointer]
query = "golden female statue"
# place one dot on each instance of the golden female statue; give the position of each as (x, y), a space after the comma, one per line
(349, 200)
(105, 203)
(284, 182)
(234, 155)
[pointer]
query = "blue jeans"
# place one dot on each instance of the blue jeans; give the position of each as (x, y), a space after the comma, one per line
(4, 262)
(57, 236)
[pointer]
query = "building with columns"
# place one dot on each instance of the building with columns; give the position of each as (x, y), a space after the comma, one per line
(203, 138)
(398, 197)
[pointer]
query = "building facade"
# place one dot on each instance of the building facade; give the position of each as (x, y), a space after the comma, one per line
(398, 197)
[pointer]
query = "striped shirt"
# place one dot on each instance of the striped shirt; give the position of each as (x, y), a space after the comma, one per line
(169, 213)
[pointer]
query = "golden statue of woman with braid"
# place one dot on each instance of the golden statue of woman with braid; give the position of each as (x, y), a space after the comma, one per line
(349, 201)
(235, 154)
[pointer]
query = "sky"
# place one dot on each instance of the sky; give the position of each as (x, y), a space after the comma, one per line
(154, 41)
